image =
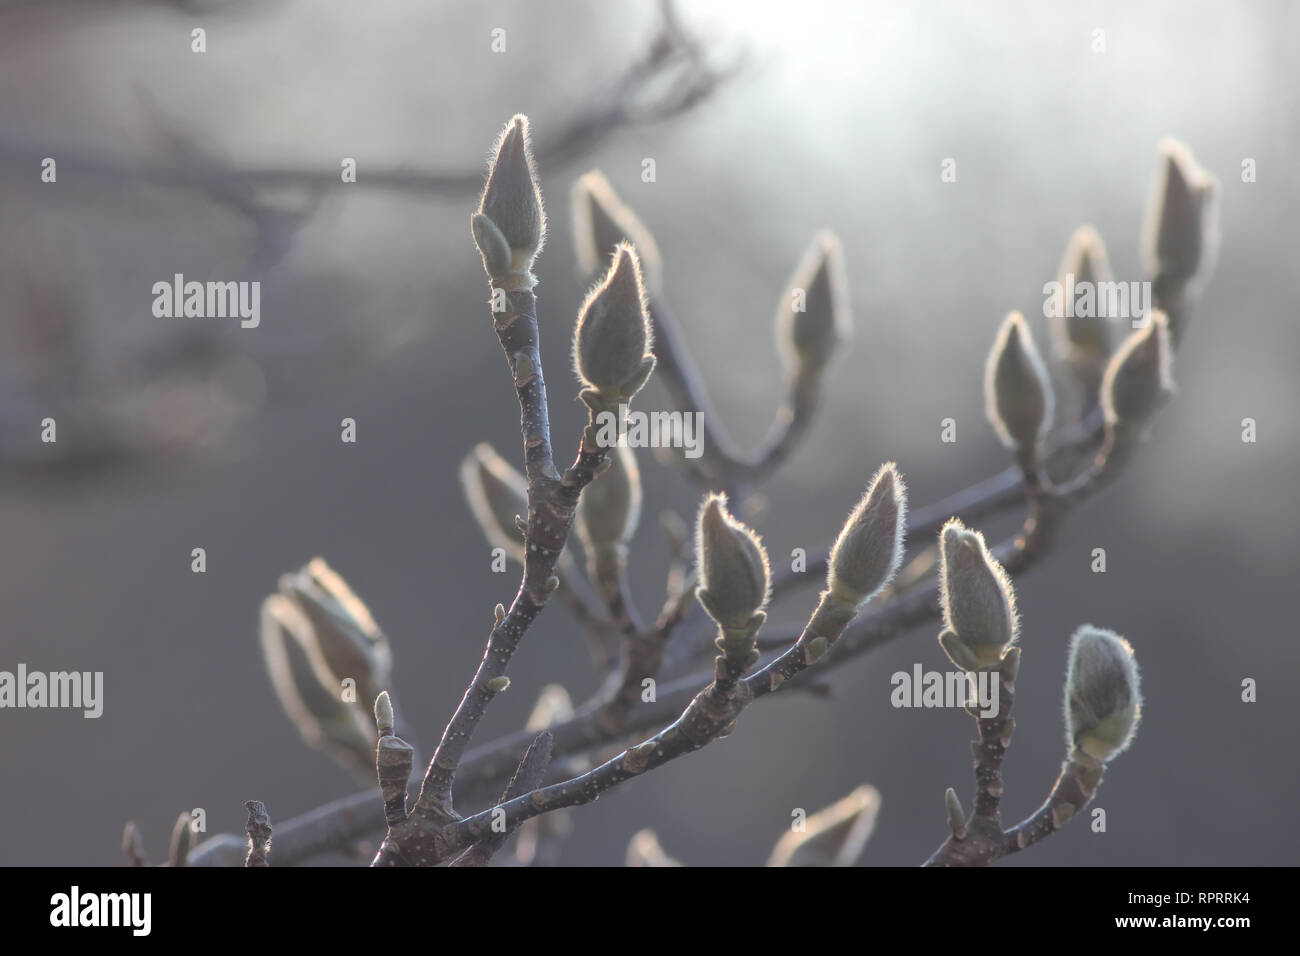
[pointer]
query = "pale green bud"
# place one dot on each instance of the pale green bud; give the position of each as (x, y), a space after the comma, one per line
(600, 222)
(1083, 340)
(1017, 391)
(497, 495)
(611, 345)
(1103, 697)
(610, 506)
(869, 549)
(979, 604)
(813, 319)
(734, 574)
(511, 200)
(1138, 378)
(384, 713)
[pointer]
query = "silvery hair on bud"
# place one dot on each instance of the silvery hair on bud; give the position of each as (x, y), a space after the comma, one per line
(979, 603)
(810, 337)
(511, 198)
(1103, 696)
(735, 576)
(1139, 375)
(1017, 392)
(601, 220)
(869, 549)
(1181, 234)
(613, 339)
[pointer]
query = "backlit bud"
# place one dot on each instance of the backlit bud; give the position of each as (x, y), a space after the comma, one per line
(979, 605)
(497, 494)
(867, 552)
(1082, 336)
(1103, 698)
(733, 568)
(1138, 378)
(611, 352)
(512, 203)
(600, 222)
(1017, 392)
(610, 506)
(812, 320)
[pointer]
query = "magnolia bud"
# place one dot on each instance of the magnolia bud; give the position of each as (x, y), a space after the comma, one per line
(1103, 698)
(869, 548)
(733, 568)
(979, 605)
(511, 203)
(349, 641)
(611, 352)
(610, 506)
(813, 320)
(384, 713)
(1180, 234)
(178, 853)
(323, 720)
(1083, 340)
(497, 494)
(1017, 392)
(1138, 379)
(600, 222)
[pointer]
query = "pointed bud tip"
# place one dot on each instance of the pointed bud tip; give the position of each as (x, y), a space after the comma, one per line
(813, 320)
(869, 549)
(976, 595)
(1017, 391)
(511, 198)
(734, 572)
(1139, 377)
(612, 341)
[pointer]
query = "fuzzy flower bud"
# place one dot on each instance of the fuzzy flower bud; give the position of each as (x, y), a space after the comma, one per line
(813, 319)
(869, 549)
(1180, 235)
(600, 222)
(1017, 391)
(610, 506)
(611, 346)
(979, 604)
(497, 494)
(349, 641)
(1138, 379)
(1083, 339)
(384, 713)
(510, 218)
(1103, 697)
(735, 577)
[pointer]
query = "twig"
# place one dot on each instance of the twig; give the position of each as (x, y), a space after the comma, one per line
(259, 834)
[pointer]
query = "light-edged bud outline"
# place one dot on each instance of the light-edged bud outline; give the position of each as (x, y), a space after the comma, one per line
(808, 340)
(601, 220)
(735, 574)
(976, 596)
(613, 341)
(1103, 693)
(610, 506)
(1139, 377)
(1018, 397)
(869, 548)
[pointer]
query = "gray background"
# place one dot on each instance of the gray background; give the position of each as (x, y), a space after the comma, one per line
(377, 313)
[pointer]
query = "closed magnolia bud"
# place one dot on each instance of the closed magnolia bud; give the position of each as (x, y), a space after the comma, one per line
(384, 713)
(869, 549)
(979, 604)
(611, 346)
(349, 640)
(1084, 340)
(1180, 234)
(511, 200)
(1103, 697)
(316, 709)
(610, 506)
(600, 222)
(813, 320)
(1138, 378)
(497, 494)
(1017, 392)
(733, 568)
(835, 836)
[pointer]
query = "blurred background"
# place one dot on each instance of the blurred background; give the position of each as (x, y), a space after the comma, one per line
(186, 433)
